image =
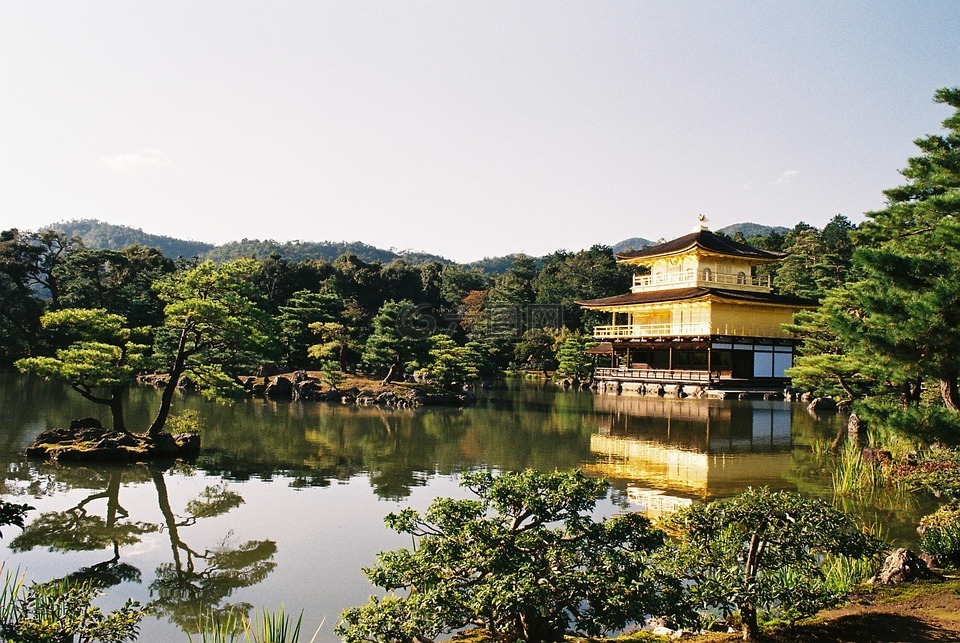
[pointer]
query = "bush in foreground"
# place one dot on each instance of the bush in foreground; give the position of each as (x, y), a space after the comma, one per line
(764, 550)
(524, 561)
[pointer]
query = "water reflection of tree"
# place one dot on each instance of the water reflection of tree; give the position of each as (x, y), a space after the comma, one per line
(76, 529)
(201, 580)
(196, 579)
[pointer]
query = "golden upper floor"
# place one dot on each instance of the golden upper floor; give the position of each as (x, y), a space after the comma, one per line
(700, 259)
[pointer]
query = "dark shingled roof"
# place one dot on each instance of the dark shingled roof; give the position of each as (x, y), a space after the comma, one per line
(706, 240)
(681, 294)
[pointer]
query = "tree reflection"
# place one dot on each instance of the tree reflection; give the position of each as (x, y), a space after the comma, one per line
(196, 580)
(200, 581)
(76, 529)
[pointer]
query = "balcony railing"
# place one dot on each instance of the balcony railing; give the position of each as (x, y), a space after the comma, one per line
(704, 278)
(686, 330)
(651, 330)
(657, 375)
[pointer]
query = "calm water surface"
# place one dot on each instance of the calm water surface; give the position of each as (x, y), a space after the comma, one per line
(286, 503)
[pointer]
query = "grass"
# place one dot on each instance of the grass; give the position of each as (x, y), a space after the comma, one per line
(852, 475)
(268, 627)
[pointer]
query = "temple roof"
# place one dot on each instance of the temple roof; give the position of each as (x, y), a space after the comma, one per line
(682, 294)
(707, 241)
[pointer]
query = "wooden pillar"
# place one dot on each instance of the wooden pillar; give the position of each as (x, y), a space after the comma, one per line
(710, 362)
(670, 359)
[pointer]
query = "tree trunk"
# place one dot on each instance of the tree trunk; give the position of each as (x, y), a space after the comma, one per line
(114, 403)
(748, 611)
(391, 374)
(948, 388)
(116, 409)
(179, 366)
(163, 500)
(748, 617)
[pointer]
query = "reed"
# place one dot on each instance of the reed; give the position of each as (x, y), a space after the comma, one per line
(852, 476)
(268, 627)
(842, 574)
(9, 597)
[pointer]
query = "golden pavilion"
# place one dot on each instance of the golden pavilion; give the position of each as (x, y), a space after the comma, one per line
(698, 315)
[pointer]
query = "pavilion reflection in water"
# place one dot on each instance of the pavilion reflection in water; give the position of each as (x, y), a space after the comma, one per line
(670, 452)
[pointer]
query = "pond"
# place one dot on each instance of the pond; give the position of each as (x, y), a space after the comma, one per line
(285, 505)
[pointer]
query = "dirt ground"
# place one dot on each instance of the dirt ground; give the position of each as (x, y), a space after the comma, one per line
(916, 613)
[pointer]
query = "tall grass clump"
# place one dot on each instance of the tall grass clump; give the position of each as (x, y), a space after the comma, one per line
(852, 475)
(268, 627)
(842, 574)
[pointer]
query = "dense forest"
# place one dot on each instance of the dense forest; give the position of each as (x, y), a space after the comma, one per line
(353, 315)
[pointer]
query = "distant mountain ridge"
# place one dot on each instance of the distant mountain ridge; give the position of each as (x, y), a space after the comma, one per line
(752, 229)
(100, 235)
(107, 236)
(747, 229)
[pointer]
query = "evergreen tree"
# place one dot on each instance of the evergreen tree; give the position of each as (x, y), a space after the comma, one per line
(571, 358)
(908, 299)
(100, 360)
(213, 329)
(298, 318)
(396, 340)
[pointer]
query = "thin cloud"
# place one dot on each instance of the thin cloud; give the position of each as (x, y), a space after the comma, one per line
(785, 178)
(136, 162)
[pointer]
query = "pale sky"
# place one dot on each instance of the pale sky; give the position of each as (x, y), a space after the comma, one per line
(466, 129)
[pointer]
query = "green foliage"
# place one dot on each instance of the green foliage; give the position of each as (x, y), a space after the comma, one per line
(274, 627)
(568, 277)
(537, 350)
(929, 423)
(763, 550)
(338, 339)
(300, 317)
(20, 307)
(827, 363)
(449, 363)
(940, 534)
(62, 611)
(854, 476)
(100, 361)
(118, 281)
(525, 561)
(571, 359)
(186, 421)
(908, 260)
(13, 514)
(330, 373)
(936, 471)
(397, 339)
(102, 235)
(213, 330)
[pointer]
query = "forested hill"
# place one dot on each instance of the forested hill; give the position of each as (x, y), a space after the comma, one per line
(106, 236)
(99, 235)
(751, 230)
(314, 250)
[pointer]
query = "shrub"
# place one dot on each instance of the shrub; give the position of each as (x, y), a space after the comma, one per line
(940, 534)
(62, 611)
(525, 561)
(764, 550)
